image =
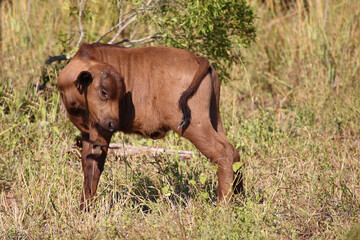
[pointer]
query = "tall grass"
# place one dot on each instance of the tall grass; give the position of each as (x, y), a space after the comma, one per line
(292, 111)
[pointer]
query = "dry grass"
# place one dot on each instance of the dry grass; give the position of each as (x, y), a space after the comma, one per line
(292, 111)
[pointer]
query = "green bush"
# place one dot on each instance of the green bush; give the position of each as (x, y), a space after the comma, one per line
(215, 29)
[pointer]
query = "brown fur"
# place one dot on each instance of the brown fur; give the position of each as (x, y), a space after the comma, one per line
(147, 91)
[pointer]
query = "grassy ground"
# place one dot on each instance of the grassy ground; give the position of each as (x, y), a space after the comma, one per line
(292, 111)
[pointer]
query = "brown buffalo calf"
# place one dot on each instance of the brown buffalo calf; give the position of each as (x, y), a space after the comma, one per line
(147, 91)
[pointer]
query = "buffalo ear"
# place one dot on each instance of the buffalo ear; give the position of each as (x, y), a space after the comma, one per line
(83, 80)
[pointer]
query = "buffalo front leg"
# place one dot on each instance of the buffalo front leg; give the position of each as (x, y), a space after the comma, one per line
(93, 160)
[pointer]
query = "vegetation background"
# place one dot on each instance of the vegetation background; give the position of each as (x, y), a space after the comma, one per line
(291, 108)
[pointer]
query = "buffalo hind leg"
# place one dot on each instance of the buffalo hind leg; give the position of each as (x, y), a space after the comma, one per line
(215, 146)
(93, 161)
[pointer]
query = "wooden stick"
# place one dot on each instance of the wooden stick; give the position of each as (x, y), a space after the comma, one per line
(141, 151)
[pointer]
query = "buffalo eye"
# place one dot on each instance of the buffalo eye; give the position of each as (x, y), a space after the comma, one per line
(104, 94)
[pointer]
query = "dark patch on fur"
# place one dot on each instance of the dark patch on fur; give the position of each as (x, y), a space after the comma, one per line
(213, 108)
(204, 67)
(127, 111)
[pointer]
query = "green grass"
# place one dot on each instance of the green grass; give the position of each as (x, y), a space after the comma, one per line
(292, 111)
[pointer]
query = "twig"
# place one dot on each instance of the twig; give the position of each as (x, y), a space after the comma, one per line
(141, 40)
(80, 25)
(123, 27)
(135, 44)
(115, 26)
(118, 25)
(140, 43)
(125, 19)
(134, 30)
(119, 21)
(123, 22)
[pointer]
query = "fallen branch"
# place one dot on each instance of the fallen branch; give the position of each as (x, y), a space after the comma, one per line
(141, 151)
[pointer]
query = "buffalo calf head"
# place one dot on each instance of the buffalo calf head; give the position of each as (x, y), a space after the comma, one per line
(103, 88)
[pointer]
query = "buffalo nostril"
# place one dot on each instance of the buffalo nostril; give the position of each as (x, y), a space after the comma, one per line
(111, 125)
